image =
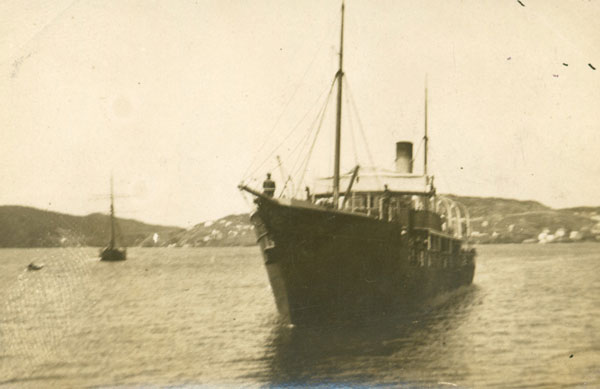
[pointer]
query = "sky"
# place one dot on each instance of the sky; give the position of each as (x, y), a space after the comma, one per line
(182, 100)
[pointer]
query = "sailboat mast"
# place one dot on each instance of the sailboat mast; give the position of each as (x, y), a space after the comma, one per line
(338, 120)
(425, 138)
(112, 215)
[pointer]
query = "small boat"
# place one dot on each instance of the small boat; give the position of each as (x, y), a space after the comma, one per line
(35, 266)
(112, 252)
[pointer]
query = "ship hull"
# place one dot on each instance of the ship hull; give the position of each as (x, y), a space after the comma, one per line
(325, 265)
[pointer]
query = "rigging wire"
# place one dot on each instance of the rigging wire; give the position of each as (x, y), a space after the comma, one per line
(352, 136)
(313, 125)
(314, 140)
(287, 181)
(283, 176)
(299, 159)
(304, 142)
(360, 126)
(285, 138)
(414, 158)
(297, 88)
(440, 169)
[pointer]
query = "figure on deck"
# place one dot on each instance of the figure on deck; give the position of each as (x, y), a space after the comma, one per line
(307, 190)
(385, 203)
(269, 186)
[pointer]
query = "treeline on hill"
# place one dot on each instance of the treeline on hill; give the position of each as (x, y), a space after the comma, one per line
(493, 220)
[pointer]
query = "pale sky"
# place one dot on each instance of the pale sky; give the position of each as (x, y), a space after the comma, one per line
(177, 97)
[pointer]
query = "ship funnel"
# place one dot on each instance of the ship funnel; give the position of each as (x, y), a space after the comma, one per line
(404, 157)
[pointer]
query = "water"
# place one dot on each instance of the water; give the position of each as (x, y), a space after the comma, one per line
(191, 317)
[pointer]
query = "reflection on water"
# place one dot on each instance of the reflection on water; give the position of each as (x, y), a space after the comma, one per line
(207, 317)
(389, 350)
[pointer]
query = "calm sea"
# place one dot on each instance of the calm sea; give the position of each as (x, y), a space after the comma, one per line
(206, 317)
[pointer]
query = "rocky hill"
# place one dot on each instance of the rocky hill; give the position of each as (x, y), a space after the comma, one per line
(493, 220)
(31, 227)
(232, 230)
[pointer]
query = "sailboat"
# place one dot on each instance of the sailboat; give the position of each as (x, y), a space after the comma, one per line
(112, 252)
(386, 244)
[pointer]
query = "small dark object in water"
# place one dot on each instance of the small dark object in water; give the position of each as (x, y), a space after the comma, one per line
(113, 254)
(35, 266)
(565, 64)
(592, 66)
(521, 3)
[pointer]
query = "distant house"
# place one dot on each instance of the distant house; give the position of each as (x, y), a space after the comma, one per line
(546, 237)
(575, 235)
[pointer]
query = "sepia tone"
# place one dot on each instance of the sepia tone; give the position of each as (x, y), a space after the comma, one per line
(288, 194)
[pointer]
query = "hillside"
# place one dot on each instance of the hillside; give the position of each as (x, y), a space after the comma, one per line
(493, 220)
(497, 207)
(232, 230)
(496, 220)
(31, 227)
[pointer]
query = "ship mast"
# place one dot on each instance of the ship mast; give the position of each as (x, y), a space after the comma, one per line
(425, 138)
(112, 215)
(338, 120)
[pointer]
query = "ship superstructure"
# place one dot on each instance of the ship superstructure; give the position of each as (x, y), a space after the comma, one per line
(370, 241)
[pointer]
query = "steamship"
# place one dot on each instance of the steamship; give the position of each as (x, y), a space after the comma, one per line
(366, 242)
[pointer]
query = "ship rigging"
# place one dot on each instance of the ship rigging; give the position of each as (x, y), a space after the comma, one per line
(387, 242)
(113, 252)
